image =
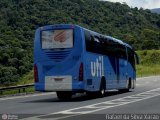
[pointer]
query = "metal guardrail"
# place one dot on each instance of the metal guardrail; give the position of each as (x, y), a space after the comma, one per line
(19, 88)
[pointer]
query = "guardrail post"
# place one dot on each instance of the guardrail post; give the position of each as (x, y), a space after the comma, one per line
(24, 89)
(1, 92)
(19, 90)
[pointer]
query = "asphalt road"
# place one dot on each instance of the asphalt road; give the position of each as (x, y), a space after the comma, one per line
(140, 103)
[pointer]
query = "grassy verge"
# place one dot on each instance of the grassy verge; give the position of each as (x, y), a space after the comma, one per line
(17, 91)
(149, 70)
(27, 79)
(149, 63)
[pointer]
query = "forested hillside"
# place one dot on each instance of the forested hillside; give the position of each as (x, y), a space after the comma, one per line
(20, 18)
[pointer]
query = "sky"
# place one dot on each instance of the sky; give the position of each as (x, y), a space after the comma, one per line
(146, 4)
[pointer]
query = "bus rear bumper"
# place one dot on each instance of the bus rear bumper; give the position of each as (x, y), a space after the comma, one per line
(78, 86)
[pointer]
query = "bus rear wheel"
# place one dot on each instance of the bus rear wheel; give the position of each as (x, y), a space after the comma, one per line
(101, 92)
(62, 95)
(128, 87)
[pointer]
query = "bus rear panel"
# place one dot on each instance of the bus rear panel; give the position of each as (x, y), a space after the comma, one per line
(58, 58)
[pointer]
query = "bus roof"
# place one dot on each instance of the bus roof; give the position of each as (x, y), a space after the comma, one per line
(119, 41)
(108, 37)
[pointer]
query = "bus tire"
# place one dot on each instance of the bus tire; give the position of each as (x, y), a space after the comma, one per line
(129, 85)
(127, 88)
(62, 95)
(101, 92)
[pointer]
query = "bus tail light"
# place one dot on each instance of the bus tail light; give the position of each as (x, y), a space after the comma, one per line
(35, 74)
(81, 72)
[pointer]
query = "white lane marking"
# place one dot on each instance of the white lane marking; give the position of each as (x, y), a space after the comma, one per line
(155, 80)
(147, 82)
(25, 96)
(138, 85)
(109, 104)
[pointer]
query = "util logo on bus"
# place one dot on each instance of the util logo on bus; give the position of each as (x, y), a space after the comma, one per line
(97, 67)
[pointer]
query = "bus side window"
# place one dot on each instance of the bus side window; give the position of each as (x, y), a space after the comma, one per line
(89, 41)
(131, 59)
(121, 51)
(109, 47)
(93, 43)
(98, 45)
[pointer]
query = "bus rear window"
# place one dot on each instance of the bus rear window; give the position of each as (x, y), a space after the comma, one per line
(52, 39)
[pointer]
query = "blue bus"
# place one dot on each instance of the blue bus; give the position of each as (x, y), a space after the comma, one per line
(69, 59)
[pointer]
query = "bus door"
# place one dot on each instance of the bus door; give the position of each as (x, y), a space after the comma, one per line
(122, 72)
(117, 70)
(121, 63)
(113, 72)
